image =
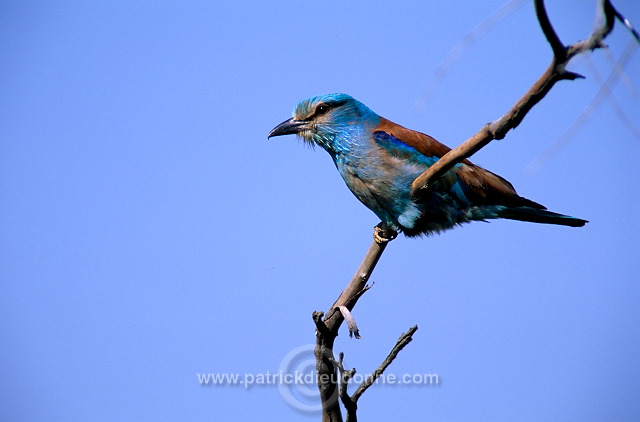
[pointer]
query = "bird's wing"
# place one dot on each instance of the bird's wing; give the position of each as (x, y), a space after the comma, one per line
(479, 186)
(424, 144)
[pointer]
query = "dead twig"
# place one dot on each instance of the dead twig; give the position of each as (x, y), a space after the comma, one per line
(555, 72)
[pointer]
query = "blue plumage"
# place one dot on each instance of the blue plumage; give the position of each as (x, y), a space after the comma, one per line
(379, 159)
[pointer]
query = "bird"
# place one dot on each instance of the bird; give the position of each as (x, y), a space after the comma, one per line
(379, 159)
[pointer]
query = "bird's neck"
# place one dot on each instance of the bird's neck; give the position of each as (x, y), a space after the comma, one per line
(349, 135)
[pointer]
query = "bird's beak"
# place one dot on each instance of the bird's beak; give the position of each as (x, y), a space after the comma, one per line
(288, 127)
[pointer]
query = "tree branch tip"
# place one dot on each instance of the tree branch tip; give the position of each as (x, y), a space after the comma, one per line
(571, 76)
(348, 403)
(359, 294)
(408, 335)
(404, 339)
(349, 374)
(365, 289)
(321, 327)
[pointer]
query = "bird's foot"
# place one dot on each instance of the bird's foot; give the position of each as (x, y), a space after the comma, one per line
(382, 234)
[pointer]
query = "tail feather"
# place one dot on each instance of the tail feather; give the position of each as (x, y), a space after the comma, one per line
(540, 216)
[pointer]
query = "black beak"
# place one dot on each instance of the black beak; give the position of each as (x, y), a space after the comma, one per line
(288, 127)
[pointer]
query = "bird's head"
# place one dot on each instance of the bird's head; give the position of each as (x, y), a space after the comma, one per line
(331, 121)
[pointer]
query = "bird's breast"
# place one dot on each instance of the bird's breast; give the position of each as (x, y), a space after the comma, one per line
(383, 184)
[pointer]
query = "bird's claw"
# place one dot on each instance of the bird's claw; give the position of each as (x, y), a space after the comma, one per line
(383, 235)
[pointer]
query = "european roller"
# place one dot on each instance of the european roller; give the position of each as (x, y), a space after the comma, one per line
(379, 159)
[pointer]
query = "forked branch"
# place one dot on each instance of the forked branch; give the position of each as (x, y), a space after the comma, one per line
(555, 72)
(327, 326)
(327, 331)
(351, 402)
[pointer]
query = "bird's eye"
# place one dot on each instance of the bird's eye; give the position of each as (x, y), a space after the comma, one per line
(322, 109)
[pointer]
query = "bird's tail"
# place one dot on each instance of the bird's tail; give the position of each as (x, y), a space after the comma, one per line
(540, 216)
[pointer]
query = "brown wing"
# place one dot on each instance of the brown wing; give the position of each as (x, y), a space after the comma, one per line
(424, 144)
(481, 186)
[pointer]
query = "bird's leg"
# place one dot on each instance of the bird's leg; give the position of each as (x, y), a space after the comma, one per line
(383, 234)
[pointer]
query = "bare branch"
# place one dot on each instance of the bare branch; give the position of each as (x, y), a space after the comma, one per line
(603, 93)
(345, 376)
(554, 73)
(356, 287)
(327, 327)
(612, 10)
(404, 339)
(351, 402)
(559, 50)
(320, 325)
(327, 332)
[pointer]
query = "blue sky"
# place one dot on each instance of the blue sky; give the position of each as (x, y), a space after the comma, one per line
(150, 232)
